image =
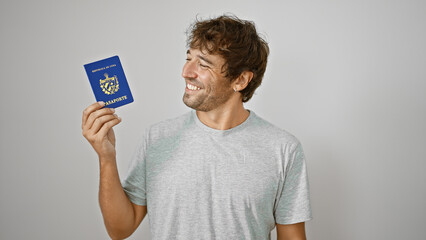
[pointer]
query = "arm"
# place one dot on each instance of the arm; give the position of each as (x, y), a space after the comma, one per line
(294, 208)
(121, 217)
(291, 231)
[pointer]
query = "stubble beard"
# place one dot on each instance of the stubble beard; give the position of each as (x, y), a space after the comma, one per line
(205, 102)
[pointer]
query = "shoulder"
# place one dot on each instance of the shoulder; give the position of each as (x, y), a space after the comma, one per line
(273, 134)
(169, 127)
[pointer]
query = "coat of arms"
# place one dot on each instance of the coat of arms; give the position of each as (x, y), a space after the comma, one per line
(109, 85)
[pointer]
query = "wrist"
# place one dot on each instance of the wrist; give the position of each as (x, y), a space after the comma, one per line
(107, 159)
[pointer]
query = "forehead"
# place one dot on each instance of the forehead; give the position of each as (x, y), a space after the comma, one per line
(214, 59)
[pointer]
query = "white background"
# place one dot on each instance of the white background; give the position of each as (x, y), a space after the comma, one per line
(348, 78)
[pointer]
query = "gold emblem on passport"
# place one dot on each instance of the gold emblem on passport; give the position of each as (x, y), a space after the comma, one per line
(109, 85)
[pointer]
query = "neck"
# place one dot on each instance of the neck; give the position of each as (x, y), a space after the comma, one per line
(224, 117)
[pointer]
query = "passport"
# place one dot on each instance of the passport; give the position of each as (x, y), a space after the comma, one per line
(109, 84)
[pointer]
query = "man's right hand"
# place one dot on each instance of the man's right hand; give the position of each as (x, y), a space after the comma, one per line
(121, 217)
(97, 126)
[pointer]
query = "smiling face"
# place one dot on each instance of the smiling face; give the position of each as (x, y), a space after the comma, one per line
(206, 86)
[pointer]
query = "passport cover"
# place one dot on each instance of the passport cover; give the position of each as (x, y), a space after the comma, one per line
(109, 84)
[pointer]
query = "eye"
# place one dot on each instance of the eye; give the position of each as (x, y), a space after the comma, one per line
(202, 65)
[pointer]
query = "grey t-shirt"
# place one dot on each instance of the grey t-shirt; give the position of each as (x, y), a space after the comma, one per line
(202, 183)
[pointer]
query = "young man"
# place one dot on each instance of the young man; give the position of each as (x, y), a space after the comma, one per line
(216, 172)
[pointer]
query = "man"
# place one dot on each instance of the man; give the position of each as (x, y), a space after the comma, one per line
(216, 172)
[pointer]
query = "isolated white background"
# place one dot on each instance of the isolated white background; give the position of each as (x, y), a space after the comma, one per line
(348, 78)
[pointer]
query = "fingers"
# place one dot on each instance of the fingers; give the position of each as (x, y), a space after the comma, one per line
(95, 115)
(96, 133)
(100, 121)
(96, 124)
(107, 126)
(95, 106)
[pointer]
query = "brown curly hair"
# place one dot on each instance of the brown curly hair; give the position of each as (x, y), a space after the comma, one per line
(238, 42)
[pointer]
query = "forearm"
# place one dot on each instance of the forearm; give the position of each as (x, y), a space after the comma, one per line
(117, 210)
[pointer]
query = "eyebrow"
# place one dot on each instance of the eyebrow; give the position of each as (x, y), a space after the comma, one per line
(202, 58)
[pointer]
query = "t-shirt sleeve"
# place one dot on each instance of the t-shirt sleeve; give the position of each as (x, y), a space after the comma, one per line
(293, 203)
(134, 184)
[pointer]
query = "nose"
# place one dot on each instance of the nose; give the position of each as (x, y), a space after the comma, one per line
(189, 70)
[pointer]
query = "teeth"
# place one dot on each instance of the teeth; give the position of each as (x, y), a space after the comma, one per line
(192, 87)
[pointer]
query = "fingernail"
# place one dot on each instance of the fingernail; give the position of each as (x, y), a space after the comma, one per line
(115, 115)
(119, 119)
(101, 103)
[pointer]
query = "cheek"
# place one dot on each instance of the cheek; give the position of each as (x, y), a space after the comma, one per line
(211, 83)
(205, 80)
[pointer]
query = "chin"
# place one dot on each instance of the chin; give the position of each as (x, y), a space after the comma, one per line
(196, 107)
(188, 103)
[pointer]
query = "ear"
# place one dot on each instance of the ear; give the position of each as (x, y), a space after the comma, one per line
(243, 80)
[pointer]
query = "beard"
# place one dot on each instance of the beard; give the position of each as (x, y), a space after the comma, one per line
(207, 99)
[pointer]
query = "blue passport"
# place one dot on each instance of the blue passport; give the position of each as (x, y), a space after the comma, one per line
(109, 84)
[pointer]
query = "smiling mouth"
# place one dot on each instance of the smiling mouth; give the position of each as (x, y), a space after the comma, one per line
(192, 87)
